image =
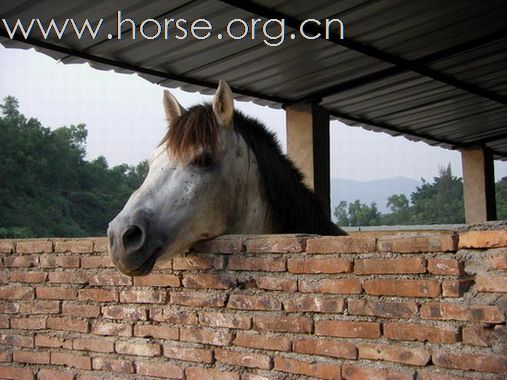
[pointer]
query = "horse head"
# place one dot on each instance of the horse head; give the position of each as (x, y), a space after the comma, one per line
(202, 182)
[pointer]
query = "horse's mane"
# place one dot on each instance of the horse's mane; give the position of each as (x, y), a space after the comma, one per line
(293, 207)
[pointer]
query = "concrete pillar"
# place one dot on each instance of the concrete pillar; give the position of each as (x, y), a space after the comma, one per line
(308, 146)
(478, 185)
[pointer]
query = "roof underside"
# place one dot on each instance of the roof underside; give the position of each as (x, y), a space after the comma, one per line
(429, 70)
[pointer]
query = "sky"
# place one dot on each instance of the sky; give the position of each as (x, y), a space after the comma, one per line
(124, 117)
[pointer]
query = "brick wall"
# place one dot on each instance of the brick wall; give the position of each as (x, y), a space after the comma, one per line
(259, 307)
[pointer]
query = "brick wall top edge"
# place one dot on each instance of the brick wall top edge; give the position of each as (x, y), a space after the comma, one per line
(289, 243)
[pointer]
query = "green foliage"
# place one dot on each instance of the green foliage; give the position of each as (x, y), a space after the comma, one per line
(501, 198)
(440, 202)
(357, 214)
(47, 188)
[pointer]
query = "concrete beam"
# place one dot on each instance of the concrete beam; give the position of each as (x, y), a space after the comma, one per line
(478, 185)
(308, 146)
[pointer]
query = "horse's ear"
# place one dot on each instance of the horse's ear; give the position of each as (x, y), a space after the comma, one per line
(223, 104)
(172, 108)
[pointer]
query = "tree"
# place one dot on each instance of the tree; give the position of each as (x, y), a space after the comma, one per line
(439, 202)
(400, 210)
(501, 198)
(47, 188)
(357, 214)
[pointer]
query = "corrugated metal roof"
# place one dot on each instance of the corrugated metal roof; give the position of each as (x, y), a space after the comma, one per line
(434, 71)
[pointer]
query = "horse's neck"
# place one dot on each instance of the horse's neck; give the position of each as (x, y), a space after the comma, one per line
(250, 213)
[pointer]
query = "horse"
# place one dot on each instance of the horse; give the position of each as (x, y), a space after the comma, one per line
(216, 171)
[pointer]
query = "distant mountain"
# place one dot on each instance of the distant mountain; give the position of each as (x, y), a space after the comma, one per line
(371, 191)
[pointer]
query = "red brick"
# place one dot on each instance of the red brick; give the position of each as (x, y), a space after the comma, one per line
(154, 279)
(458, 312)
(10, 308)
(325, 347)
(100, 245)
(14, 373)
(68, 277)
(443, 374)
(34, 246)
(283, 284)
(498, 260)
(16, 340)
(262, 341)
(484, 336)
(56, 293)
(455, 288)
(32, 277)
(6, 246)
(51, 374)
(143, 296)
(198, 299)
(315, 304)
(74, 246)
(71, 360)
(96, 262)
(80, 310)
(5, 357)
(403, 288)
(218, 319)
(174, 316)
(281, 323)
(483, 239)
(390, 266)
(382, 309)
(157, 369)
(16, 293)
(40, 307)
(54, 261)
(98, 295)
(206, 336)
(350, 372)
(242, 359)
(224, 245)
(67, 324)
(93, 345)
(331, 286)
(31, 357)
(248, 302)
(28, 261)
(139, 349)
(111, 328)
(274, 245)
(418, 243)
(188, 354)
(209, 374)
(110, 278)
(193, 262)
(265, 264)
(129, 313)
(52, 341)
(315, 369)
(491, 283)
(156, 331)
(207, 281)
(405, 355)
(475, 361)
(420, 332)
(30, 323)
(319, 265)
(448, 267)
(4, 322)
(348, 329)
(341, 244)
(112, 365)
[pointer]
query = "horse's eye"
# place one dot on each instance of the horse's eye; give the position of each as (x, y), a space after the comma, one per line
(204, 160)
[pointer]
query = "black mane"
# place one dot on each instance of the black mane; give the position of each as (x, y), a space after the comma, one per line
(294, 207)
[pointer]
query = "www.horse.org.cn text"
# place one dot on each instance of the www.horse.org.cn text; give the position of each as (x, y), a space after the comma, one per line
(273, 32)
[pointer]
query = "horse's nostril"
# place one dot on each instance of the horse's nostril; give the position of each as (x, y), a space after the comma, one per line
(133, 238)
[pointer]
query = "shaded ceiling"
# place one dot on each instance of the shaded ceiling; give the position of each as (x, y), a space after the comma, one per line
(432, 70)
